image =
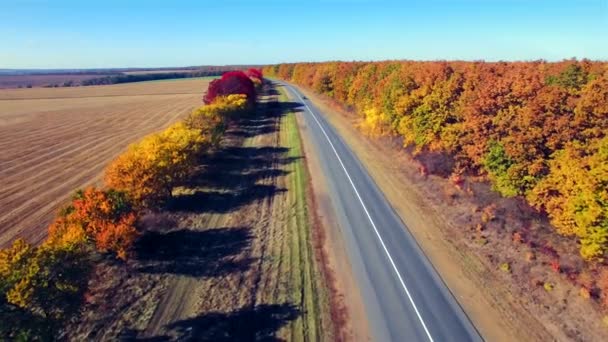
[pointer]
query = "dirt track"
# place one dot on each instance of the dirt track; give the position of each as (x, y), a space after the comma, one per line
(53, 141)
(230, 259)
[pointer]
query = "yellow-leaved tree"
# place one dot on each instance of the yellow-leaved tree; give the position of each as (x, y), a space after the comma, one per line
(40, 288)
(211, 119)
(575, 195)
(149, 169)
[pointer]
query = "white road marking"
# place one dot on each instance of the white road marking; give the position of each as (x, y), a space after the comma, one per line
(407, 292)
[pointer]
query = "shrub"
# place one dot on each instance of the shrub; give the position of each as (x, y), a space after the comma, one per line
(488, 214)
(517, 238)
(585, 292)
(530, 256)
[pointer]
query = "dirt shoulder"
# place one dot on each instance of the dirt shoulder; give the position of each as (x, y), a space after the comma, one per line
(231, 259)
(504, 306)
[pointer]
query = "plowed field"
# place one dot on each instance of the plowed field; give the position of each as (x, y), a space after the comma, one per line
(53, 141)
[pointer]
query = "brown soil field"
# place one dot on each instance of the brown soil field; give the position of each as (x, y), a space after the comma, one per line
(231, 258)
(56, 140)
(161, 87)
(511, 305)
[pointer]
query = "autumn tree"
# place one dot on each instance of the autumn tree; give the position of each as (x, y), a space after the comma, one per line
(256, 76)
(149, 170)
(40, 288)
(534, 129)
(233, 82)
(575, 195)
(211, 120)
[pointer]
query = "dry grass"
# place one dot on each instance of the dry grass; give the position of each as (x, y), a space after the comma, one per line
(55, 140)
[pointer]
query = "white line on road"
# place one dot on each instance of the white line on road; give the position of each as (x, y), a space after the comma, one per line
(407, 292)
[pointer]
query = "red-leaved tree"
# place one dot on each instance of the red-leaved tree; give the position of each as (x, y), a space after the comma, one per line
(233, 82)
(254, 73)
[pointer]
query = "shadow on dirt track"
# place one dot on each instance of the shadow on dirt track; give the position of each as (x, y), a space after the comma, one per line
(226, 180)
(249, 324)
(229, 178)
(193, 253)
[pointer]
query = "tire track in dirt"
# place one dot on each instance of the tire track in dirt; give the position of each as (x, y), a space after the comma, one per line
(182, 298)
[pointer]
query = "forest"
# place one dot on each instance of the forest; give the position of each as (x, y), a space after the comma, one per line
(43, 287)
(532, 129)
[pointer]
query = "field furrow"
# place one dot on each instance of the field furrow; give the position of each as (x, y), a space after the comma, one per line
(54, 141)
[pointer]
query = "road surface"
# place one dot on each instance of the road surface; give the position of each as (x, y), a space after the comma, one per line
(404, 297)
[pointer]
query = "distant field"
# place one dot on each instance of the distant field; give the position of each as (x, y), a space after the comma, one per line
(182, 86)
(55, 140)
(14, 81)
(144, 72)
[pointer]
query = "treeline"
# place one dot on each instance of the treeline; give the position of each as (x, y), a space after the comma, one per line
(128, 78)
(535, 129)
(42, 287)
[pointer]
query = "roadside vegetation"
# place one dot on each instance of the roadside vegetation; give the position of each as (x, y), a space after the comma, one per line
(534, 130)
(308, 288)
(43, 287)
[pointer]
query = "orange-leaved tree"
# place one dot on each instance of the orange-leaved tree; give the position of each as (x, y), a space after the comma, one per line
(103, 217)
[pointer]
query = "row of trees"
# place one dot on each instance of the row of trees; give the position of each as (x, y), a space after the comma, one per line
(129, 78)
(152, 76)
(43, 286)
(535, 129)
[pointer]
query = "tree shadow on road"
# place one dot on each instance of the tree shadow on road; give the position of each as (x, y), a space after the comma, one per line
(207, 253)
(260, 323)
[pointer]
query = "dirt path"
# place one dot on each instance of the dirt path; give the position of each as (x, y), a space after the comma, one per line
(233, 258)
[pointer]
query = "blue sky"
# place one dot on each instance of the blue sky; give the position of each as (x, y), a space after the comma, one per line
(130, 33)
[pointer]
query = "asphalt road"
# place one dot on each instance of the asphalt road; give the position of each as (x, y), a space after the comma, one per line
(404, 297)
